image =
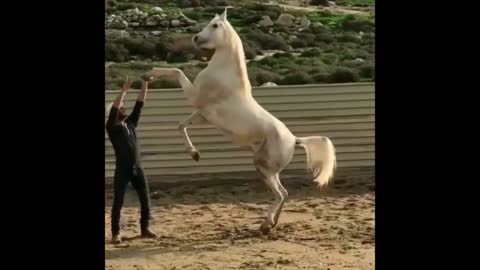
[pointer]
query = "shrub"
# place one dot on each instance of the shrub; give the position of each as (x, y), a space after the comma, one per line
(319, 2)
(315, 52)
(125, 6)
(320, 77)
(367, 70)
(268, 61)
(250, 53)
(329, 58)
(274, 42)
(214, 3)
(348, 37)
(178, 57)
(115, 52)
(266, 41)
(282, 29)
(282, 55)
(318, 29)
(136, 84)
(298, 77)
(298, 43)
(309, 39)
(264, 76)
(161, 50)
(343, 75)
(111, 3)
(351, 23)
(140, 47)
(327, 38)
(189, 3)
(163, 83)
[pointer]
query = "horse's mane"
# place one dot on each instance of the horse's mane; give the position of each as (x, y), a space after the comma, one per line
(236, 46)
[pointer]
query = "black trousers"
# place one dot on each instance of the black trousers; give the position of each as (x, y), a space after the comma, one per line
(139, 182)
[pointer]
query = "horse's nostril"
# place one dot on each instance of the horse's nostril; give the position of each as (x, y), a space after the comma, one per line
(195, 38)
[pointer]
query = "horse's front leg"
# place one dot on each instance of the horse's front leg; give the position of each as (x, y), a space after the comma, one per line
(194, 118)
(174, 73)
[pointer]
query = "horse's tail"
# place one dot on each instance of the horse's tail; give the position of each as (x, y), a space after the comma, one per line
(321, 158)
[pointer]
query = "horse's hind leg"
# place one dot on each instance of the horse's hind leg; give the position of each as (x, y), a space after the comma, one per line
(273, 182)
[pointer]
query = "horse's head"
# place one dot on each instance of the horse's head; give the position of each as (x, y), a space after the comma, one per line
(215, 34)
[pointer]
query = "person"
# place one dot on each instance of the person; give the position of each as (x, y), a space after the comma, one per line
(121, 129)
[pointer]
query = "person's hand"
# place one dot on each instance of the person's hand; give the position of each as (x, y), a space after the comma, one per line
(126, 85)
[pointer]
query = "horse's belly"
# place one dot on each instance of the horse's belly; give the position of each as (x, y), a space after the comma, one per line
(238, 122)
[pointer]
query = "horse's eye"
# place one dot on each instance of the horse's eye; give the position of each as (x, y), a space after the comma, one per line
(215, 25)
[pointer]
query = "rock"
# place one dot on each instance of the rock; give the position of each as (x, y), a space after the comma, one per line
(269, 84)
(157, 9)
(332, 4)
(116, 34)
(304, 22)
(125, 23)
(359, 60)
(286, 20)
(135, 24)
(165, 23)
(151, 23)
(176, 23)
(117, 25)
(292, 38)
(266, 21)
(158, 194)
(132, 11)
(156, 33)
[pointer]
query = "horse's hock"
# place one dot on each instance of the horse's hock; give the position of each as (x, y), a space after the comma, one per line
(343, 112)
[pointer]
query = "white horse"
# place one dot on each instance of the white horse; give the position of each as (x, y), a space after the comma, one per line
(221, 95)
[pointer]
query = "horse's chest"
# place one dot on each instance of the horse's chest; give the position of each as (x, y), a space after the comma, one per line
(211, 92)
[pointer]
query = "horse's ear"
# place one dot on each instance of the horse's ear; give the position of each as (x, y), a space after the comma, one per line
(216, 16)
(224, 15)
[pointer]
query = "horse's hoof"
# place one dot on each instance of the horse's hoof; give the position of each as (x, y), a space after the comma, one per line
(147, 77)
(265, 228)
(195, 155)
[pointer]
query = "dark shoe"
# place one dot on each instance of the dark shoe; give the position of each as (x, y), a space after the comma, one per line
(149, 234)
(116, 239)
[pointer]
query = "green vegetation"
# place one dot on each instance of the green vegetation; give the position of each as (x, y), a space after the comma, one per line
(335, 48)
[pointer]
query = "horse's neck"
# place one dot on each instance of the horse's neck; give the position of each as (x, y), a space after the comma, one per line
(232, 58)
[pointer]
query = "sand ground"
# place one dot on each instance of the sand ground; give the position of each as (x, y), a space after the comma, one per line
(205, 226)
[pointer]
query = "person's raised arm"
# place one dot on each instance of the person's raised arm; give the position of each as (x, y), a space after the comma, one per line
(113, 115)
(137, 110)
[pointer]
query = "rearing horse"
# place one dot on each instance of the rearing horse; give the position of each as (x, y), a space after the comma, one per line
(221, 95)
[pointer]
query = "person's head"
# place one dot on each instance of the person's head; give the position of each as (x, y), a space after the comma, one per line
(122, 114)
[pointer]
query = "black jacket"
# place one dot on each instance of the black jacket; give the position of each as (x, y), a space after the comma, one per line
(124, 138)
